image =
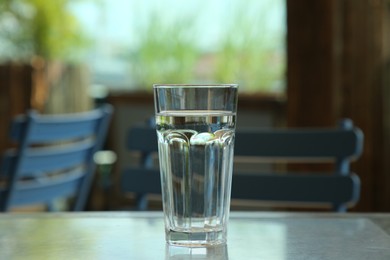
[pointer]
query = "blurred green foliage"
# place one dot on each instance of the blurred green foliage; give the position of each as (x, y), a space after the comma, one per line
(42, 28)
(249, 52)
(165, 53)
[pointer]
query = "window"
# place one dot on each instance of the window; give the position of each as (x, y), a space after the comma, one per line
(138, 43)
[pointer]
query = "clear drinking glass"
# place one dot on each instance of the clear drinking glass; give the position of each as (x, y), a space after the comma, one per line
(195, 129)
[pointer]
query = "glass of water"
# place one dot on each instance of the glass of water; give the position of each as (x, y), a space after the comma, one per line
(195, 129)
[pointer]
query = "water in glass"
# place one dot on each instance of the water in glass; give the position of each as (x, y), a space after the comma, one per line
(196, 158)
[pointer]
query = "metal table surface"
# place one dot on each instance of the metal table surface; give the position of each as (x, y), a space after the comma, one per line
(140, 235)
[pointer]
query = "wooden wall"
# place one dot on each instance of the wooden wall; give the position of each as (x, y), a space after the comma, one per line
(15, 96)
(339, 66)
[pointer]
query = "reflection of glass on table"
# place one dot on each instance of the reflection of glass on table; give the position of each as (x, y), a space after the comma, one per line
(186, 253)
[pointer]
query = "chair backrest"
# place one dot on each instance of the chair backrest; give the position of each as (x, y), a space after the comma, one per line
(338, 188)
(53, 157)
(143, 178)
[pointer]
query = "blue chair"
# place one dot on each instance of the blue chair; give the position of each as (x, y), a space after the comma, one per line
(53, 158)
(339, 188)
(143, 177)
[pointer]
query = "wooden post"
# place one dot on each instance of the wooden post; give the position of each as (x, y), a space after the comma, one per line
(366, 94)
(68, 86)
(313, 62)
(15, 92)
(339, 66)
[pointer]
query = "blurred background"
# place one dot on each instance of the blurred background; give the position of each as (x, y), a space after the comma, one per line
(299, 63)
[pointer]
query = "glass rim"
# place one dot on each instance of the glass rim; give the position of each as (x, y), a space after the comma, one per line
(157, 86)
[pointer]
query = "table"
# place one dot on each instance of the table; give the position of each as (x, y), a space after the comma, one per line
(140, 235)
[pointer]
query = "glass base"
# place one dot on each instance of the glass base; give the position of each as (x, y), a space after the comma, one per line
(195, 239)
